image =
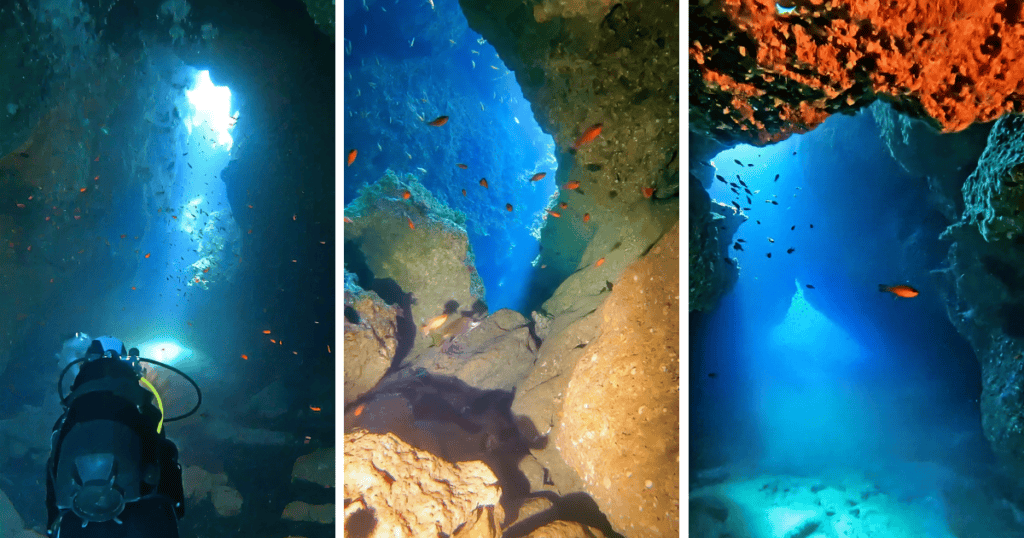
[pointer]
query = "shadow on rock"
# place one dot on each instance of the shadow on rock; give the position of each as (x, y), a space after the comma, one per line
(578, 507)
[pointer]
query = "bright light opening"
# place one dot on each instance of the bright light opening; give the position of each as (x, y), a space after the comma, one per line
(212, 107)
(165, 351)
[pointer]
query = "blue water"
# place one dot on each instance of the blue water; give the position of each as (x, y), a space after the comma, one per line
(407, 63)
(801, 379)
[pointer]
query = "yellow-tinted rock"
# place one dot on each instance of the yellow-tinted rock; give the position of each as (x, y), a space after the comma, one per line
(620, 420)
(405, 488)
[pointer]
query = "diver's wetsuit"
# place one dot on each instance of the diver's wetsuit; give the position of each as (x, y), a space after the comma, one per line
(109, 414)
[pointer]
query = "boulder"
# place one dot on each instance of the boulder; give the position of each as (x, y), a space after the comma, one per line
(316, 467)
(371, 339)
(391, 485)
(620, 418)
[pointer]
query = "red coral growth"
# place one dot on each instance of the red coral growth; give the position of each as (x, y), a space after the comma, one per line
(772, 74)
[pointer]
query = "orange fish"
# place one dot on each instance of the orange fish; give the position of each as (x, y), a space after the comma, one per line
(21, 206)
(314, 409)
(588, 136)
(572, 185)
(207, 270)
(538, 176)
(483, 182)
(245, 357)
(272, 341)
(359, 410)
(146, 256)
(266, 331)
(462, 166)
(351, 157)
(411, 225)
(586, 217)
(463, 192)
(648, 192)
(433, 323)
(508, 207)
(599, 262)
(563, 205)
(900, 290)
(347, 220)
(406, 195)
(439, 121)
(553, 214)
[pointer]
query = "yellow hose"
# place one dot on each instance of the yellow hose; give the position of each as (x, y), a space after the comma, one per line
(159, 403)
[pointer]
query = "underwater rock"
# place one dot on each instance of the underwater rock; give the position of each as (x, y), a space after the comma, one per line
(945, 159)
(28, 432)
(541, 324)
(391, 485)
(420, 244)
(226, 500)
(322, 13)
(315, 513)
(230, 432)
(316, 467)
(713, 271)
(983, 287)
(199, 484)
(759, 75)
(566, 529)
(994, 193)
(483, 523)
(13, 524)
(620, 419)
(10, 517)
(619, 241)
(496, 354)
(983, 284)
(580, 64)
(703, 149)
(271, 402)
(371, 338)
(539, 399)
(709, 477)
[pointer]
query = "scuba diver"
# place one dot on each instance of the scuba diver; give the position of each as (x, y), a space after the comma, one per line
(112, 472)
